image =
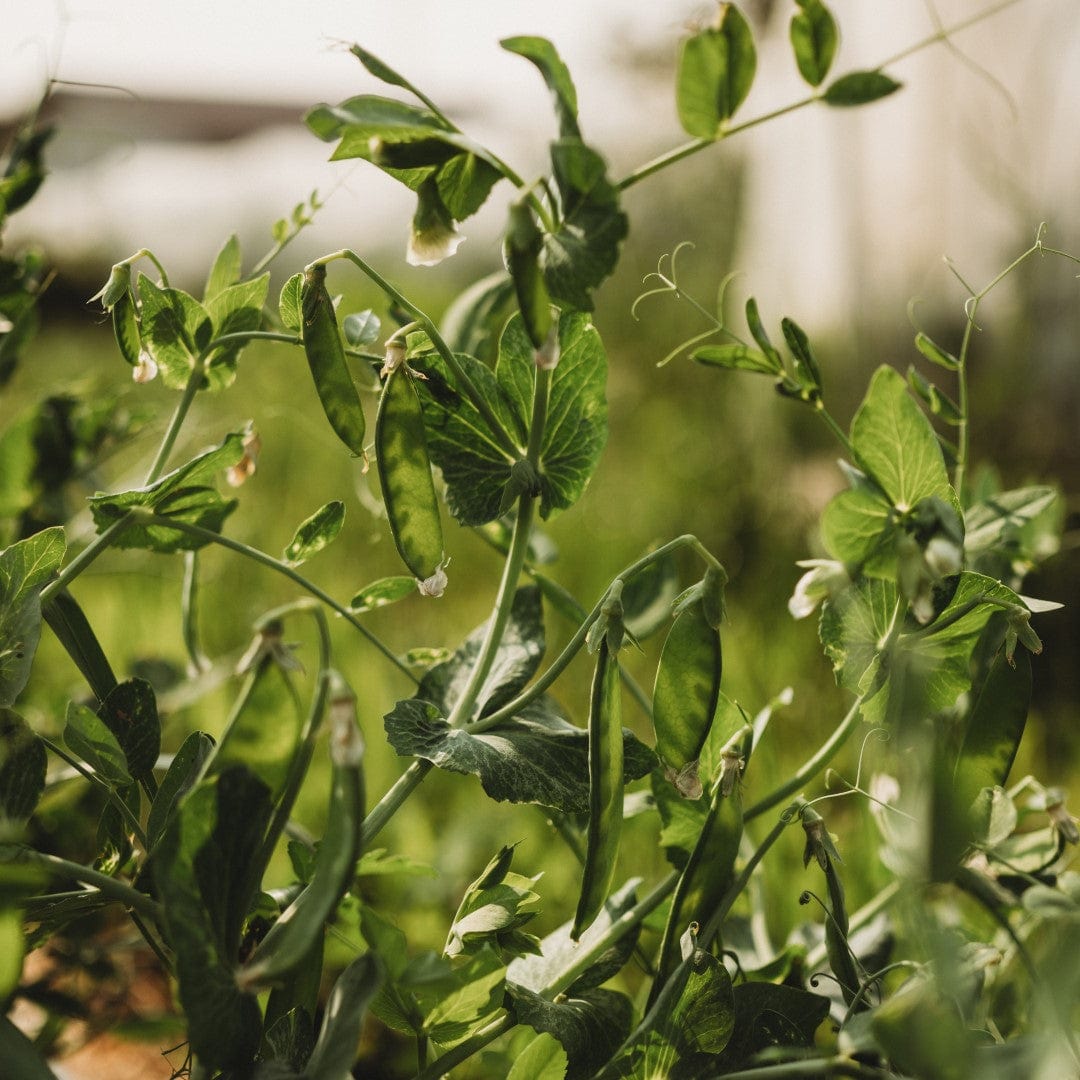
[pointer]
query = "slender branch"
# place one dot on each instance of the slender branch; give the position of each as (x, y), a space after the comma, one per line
(183, 406)
(85, 557)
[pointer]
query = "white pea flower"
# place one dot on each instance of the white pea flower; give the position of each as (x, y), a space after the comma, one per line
(823, 579)
(146, 369)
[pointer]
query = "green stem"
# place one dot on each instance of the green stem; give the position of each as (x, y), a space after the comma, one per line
(836, 429)
(183, 406)
(284, 568)
(395, 795)
(85, 557)
(110, 793)
(480, 403)
(813, 765)
(108, 886)
(538, 424)
(465, 1050)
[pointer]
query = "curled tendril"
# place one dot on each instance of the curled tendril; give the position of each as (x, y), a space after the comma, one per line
(668, 280)
(819, 975)
(872, 979)
(856, 788)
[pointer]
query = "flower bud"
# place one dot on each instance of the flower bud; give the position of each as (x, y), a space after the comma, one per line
(118, 284)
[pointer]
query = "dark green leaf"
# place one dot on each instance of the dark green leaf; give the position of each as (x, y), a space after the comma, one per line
(543, 54)
(758, 1006)
(73, 631)
(339, 1036)
(180, 777)
(175, 330)
(226, 269)
(591, 1024)
(537, 757)
(361, 328)
(315, 533)
(382, 592)
(734, 357)
(860, 88)
(19, 1054)
(716, 70)
(130, 711)
(88, 736)
(22, 767)
(184, 493)
(814, 39)
(383, 71)
(757, 331)
(584, 249)
(807, 370)
(518, 656)
(25, 569)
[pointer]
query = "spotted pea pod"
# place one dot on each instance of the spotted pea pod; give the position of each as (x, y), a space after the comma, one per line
(405, 475)
(326, 359)
(298, 928)
(605, 789)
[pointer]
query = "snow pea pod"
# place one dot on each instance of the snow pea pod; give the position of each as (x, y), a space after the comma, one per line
(605, 790)
(405, 474)
(326, 359)
(293, 935)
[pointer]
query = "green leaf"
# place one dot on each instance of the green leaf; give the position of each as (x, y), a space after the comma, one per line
(517, 658)
(543, 1059)
(336, 1047)
(475, 318)
(895, 444)
(936, 400)
(935, 353)
(22, 770)
(589, 1025)
(130, 711)
(19, 1054)
(814, 38)
(226, 269)
(807, 371)
(88, 736)
(385, 591)
(184, 494)
(478, 994)
(73, 631)
(361, 328)
(859, 88)
(716, 70)
(543, 54)
(290, 308)
(178, 780)
(537, 757)
(584, 249)
(175, 330)
(858, 528)
(25, 569)
(202, 870)
(315, 533)
(735, 357)
(989, 522)
(768, 1015)
(236, 309)
(492, 912)
(383, 71)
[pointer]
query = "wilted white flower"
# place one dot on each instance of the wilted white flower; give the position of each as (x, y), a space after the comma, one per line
(432, 237)
(236, 474)
(393, 357)
(434, 585)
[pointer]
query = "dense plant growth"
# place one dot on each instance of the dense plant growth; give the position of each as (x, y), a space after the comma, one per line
(960, 965)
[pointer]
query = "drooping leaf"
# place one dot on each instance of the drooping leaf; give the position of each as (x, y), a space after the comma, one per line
(88, 736)
(584, 249)
(537, 757)
(543, 54)
(22, 768)
(859, 88)
(130, 712)
(184, 494)
(382, 592)
(315, 533)
(336, 1047)
(814, 38)
(716, 70)
(180, 777)
(71, 627)
(25, 569)
(935, 353)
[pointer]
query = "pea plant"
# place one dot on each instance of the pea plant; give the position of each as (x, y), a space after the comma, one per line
(959, 965)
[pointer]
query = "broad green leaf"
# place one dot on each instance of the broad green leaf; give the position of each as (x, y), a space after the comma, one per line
(716, 70)
(202, 869)
(492, 913)
(178, 780)
(852, 627)
(361, 328)
(130, 711)
(22, 770)
(184, 494)
(543, 54)
(382, 592)
(73, 631)
(88, 736)
(814, 38)
(336, 1047)
(226, 269)
(584, 249)
(316, 533)
(894, 443)
(543, 1059)
(477, 996)
(176, 328)
(358, 120)
(25, 569)
(537, 757)
(994, 728)
(858, 528)
(987, 523)
(234, 310)
(517, 658)
(768, 1015)
(859, 88)
(559, 952)
(735, 357)
(589, 1025)
(290, 308)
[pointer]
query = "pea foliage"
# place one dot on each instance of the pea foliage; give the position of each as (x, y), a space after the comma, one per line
(496, 416)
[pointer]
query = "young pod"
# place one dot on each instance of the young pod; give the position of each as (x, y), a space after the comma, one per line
(326, 359)
(405, 475)
(605, 790)
(300, 925)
